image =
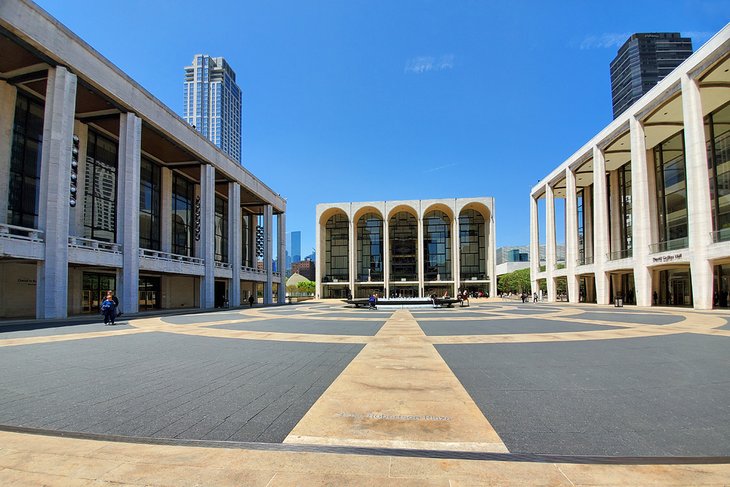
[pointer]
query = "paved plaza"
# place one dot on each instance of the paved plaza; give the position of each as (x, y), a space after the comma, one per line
(553, 390)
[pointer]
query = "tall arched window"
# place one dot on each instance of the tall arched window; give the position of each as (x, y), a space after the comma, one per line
(337, 242)
(436, 246)
(370, 248)
(473, 245)
(403, 241)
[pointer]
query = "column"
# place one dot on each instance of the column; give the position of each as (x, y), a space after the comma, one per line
(641, 197)
(455, 253)
(699, 208)
(166, 210)
(420, 263)
(534, 246)
(53, 214)
(268, 253)
(234, 243)
(386, 254)
(130, 144)
(7, 118)
(319, 260)
(600, 235)
(282, 258)
(550, 244)
(207, 235)
(351, 251)
(492, 252)
(571, 234)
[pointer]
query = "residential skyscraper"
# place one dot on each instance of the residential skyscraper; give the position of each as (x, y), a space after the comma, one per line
(643, 61)
(294, 245)
(213, 102)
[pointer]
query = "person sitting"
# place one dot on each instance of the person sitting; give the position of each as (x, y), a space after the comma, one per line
(372, 301)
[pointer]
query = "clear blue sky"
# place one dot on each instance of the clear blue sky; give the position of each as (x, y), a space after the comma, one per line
(379, 100)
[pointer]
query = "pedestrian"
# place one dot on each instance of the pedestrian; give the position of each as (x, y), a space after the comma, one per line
(372, 301)
(534, 297)
(117, 312)
(250, 301)
(107, 309)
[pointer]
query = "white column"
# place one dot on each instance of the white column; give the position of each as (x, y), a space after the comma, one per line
(386, 255)
(207, 235)
(550, 244)
(53, 217)
(699, 207)
(319, 261)
(282, 258)
(268, 253)
(534, 246)
(571, 234)
(421, 282)
(234, 243)
(166, 210)
(7, 119)
(600, 234)
(352, 250)
(130, 143)
(492, 252)
(455, 253)
(641, 196)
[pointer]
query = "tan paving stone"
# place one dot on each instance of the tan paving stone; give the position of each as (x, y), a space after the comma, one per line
(647, 475)
(374, 480)
(182, 476)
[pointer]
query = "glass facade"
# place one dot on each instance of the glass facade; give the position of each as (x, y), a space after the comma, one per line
(718, 159)
(403, 238)
(25, 163)
(336, 249)
(675, 288)
(472, 242)
(624, 187)
(580, 200)
(150, 198)
(247, 248)
(436, 246)
(100, 197)
(671, 192)
(721, 293)
(370, 248)
(183, 195)
(220, 224)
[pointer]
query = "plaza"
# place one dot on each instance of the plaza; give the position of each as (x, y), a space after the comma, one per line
(497, 383)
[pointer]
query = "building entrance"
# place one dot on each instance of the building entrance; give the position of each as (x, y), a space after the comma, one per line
(622, 286)
(94, 289)
(721, 291)
(149, 293)
(675, 288)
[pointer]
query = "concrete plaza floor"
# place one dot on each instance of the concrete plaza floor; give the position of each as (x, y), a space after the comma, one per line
(320, 394)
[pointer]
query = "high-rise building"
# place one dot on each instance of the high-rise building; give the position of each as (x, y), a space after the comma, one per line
(213, 102)
(294, 243)
(643, 61)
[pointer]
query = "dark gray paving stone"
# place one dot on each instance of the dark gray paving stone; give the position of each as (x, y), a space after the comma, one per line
(356, 314)
(165, 385)
(120, 324)
(201, 318)
(500, 327)
(447, 313)
(624, 317)
(665, 395)
(318, 327)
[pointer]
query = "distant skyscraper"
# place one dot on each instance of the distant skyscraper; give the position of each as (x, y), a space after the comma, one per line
(294, 245)
(213, 102)
(643, 61)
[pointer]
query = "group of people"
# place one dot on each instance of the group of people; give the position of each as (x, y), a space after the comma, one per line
(110, 308)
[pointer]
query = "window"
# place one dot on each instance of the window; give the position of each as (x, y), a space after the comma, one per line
(437, 246)
(149, 205)
(336, 249)
(25, 163)
(671, 190)
(624, 186)
(719, 168)
(100, 198)
(403, 237)
(183, 194)
(370, 248)
(473, 245)
(221, 229)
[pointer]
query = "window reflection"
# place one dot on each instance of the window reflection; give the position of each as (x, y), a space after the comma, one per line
(370, 248)
(336, 249)
(403, 230)
(436, 246)
(472, 244)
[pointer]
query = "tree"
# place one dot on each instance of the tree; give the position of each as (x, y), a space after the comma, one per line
(514, 282)
(306, 287)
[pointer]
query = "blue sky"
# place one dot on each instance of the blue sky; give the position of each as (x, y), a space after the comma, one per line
(379, 100)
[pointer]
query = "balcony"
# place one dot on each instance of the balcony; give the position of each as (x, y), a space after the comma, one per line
(253, 274)
(722, 235)
(584, 260)
(156, 260)
(222, 270)
(620, 254)
(21, 242)
(336, 279)
(94, 252)
(674, 244)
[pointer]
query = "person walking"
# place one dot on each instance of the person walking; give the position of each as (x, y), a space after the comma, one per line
(117, 313)
(108, 310)
(534, 297)
(250, 301)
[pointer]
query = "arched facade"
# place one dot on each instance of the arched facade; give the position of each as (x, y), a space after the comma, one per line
(409, 248)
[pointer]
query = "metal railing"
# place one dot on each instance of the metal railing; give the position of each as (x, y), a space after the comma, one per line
(253, 269)
(584, 260)
(674, 244)
(94, 245)
(223, 265)
(169, 257)
(619, 254)
(722, 235)
(20, 233)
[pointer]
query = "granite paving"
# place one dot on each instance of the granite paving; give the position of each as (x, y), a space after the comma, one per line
(321, 327)
(447, 327)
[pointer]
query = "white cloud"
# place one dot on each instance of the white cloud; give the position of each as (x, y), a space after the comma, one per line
(424, 64)
(438, 168)
(605, 40)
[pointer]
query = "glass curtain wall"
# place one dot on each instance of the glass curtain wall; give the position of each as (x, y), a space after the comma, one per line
(246, 246)
(437, 246)
(472, 242)
(624, 187)
(403, 237)
(718, 159)
(581, 226)
(25, 163)
(150, 192)
(183, 195)
(671, 193)
(337, 242)
(370, 248)
(100, 198)
(220, 224)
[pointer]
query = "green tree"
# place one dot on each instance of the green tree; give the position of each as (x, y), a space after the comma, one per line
(306, 287)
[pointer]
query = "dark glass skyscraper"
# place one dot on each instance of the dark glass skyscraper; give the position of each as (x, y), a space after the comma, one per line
(643, 61)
